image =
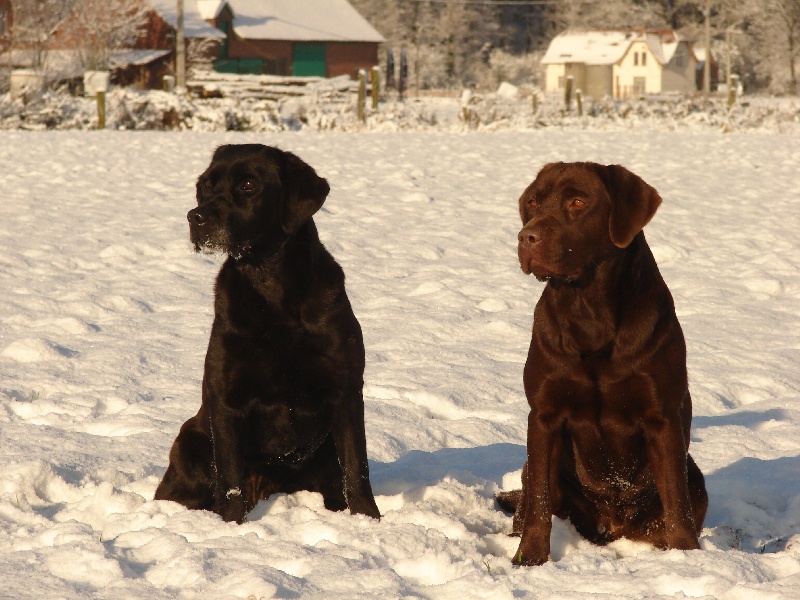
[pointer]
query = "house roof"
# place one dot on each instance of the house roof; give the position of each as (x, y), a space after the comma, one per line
(609, 46)
(194, 24)
(590, 47)
(61, 64)
(296, 20)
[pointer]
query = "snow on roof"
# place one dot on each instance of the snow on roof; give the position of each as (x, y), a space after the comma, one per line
(194, 24)
(124, 58)
(608, 47)
(590, 47)
(65, 64)
(301, 20)
(209, 9)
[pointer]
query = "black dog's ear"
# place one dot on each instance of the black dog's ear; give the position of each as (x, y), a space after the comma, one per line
(633, 204)
(303, 192)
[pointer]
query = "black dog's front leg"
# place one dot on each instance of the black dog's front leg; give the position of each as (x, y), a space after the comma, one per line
(229, 492)
(351, 446)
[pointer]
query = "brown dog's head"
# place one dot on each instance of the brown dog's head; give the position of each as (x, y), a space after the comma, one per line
(575, 215)
(252, 197)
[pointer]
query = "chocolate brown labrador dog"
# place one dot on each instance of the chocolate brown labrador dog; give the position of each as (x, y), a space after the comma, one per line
(605, 377)
(282, 407)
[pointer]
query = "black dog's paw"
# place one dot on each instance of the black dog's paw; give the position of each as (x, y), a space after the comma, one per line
(231, 507)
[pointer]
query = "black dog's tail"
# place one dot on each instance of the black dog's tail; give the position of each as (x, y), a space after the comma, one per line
(509, 501)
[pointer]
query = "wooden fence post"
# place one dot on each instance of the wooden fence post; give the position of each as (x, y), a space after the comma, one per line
(101, 110)
(579, 100)
(568, 82)
(376, 78)
(362, 93)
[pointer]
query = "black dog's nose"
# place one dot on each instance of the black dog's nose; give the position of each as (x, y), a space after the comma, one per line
(529, 237)
(197, 216)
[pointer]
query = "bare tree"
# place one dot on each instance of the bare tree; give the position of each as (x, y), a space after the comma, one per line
(33, 24)
(200, 55)
(786, 21)
(97, 28)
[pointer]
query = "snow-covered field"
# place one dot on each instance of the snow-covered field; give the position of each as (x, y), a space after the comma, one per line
(105, 315)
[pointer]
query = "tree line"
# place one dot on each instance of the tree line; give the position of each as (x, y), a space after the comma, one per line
(453, 43)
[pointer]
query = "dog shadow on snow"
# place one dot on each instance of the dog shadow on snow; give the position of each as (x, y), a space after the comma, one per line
(754, 504)
(417, 470)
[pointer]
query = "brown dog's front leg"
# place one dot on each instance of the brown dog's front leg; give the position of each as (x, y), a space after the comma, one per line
(351, 446)
(666, 453)
(534, 547)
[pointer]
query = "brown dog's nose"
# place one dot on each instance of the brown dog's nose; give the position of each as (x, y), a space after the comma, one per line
(529, 237)
(197, 216)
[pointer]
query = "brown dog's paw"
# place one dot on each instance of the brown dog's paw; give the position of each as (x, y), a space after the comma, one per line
(530, 560)
(509, 501)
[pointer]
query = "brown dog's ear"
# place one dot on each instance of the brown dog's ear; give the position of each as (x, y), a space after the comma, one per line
(303, 192)
(633, 204)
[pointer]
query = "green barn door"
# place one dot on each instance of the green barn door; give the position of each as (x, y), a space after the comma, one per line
(308, 59)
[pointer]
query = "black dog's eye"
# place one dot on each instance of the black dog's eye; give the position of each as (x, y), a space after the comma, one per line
(247, 186)
(206, 185)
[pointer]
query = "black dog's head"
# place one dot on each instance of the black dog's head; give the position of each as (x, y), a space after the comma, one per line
(575, 215)
(253, 196)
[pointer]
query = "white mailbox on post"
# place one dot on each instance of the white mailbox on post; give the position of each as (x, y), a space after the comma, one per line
(95, 81)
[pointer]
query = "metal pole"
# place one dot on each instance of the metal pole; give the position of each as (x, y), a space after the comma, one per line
(707, 64)
(180, 50)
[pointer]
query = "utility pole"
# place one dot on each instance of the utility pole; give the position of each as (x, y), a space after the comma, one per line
(180, 50)
(707, 63)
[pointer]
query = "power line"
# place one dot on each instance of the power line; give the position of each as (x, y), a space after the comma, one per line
(500, 3)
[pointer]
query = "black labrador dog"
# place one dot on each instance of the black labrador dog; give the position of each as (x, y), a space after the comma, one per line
(282, 407)
(606, 380)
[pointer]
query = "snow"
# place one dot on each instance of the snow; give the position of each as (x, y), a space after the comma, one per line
(106, 314)
(591, 47)
(262, 104)
(301, 20)
(195, 14)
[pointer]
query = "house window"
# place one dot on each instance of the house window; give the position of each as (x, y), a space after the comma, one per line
(2, 21)
(639, 85)
(644, 59)
(635, 59)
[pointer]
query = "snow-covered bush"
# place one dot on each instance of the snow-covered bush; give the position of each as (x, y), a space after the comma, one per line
(156, 110)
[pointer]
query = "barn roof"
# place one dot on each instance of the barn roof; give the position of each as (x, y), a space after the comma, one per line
(194, 25)
(296, 20)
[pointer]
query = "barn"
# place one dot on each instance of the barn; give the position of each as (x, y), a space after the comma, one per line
(324, 38)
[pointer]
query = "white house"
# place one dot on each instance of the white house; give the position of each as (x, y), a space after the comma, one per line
(621, 63)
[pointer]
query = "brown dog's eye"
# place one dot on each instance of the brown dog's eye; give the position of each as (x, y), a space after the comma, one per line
(247, 186)
(578, 203)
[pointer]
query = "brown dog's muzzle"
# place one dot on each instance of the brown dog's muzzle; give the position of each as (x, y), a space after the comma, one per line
(530, 247)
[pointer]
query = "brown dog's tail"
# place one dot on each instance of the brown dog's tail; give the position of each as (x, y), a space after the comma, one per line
(508, 501)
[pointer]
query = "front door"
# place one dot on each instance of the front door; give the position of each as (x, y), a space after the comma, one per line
(308, 60)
